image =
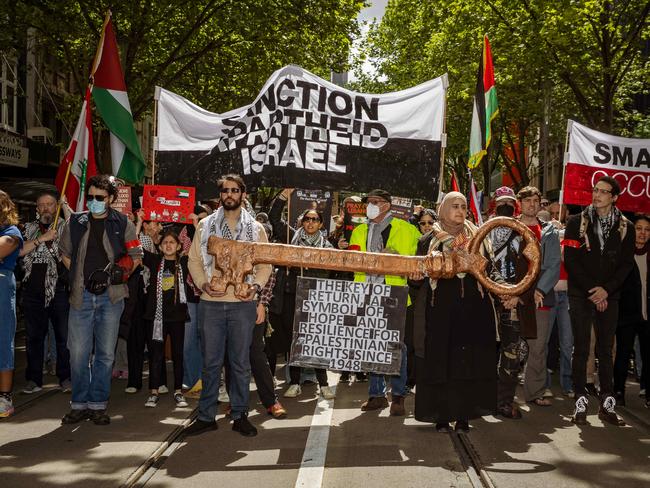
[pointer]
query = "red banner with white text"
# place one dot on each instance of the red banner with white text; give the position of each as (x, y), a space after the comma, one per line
(593, 154)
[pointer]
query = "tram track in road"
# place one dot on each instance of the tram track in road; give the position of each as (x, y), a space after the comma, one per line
(155, 461)
(471, 460)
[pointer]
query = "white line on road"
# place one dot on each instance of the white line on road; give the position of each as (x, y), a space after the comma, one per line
(312, 467)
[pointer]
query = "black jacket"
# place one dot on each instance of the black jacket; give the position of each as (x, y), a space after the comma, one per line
(630, 305)
(173, 310)
(588, 266)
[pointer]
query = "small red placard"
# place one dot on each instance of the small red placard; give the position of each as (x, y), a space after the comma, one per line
(167, 203)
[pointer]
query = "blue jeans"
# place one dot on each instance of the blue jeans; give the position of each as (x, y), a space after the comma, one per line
(225, 324)
(95, 324)
(192, 358)
(377, 383)
(560, 313)
(7, 319)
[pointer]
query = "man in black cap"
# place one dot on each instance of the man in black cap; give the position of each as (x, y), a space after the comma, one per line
(383, 233)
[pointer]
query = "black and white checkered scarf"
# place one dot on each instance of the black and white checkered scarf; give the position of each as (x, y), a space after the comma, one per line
(604, 225)
(179, 293)
(32, 231)
(217, 225)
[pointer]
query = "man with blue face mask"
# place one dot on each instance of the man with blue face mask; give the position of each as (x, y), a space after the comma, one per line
(91, 245)
(383, 233)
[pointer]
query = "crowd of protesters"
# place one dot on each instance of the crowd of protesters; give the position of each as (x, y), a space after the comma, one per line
(102, 282)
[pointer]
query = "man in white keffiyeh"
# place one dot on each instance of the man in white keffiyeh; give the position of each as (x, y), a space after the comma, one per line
(45, 294)
(225, 320)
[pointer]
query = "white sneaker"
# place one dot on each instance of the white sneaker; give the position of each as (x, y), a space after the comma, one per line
(152, 401)
(223, 395)
(162, 389)
(293, 391)
(6, 407)
(548, 393)
(130, 389)
(328, 392)
(642, 392)
(31, 387)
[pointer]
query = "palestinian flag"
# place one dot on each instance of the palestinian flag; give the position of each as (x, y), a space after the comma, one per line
(486, 108)
(80, 158)
(112, 101)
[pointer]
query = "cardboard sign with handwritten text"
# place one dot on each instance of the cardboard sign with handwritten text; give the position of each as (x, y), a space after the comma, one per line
(168, 203)
(123, 201)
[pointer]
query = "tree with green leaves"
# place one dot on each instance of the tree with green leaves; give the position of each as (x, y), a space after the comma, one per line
(553, 60)
(217, 53)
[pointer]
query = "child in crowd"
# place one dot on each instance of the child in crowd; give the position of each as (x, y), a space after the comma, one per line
(166, 313)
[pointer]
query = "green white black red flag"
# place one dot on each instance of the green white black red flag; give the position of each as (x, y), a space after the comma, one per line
(486, 107)
(112, 101)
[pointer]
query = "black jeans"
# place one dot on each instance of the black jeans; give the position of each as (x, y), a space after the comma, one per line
(583, 314)
(132, 328)
(624, 345)
(176, 332)
(510, 359)
(37, 319)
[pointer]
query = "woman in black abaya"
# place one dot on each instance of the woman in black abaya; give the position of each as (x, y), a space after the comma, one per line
(455, 334)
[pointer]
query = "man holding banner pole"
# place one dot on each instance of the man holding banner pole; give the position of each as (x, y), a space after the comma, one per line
(598, 255)
(383, 233)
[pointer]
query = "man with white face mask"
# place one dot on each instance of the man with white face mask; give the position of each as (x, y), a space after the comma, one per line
(91, 244)
(383, 233)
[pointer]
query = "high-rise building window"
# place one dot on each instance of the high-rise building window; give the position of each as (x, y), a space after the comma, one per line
(8, 92)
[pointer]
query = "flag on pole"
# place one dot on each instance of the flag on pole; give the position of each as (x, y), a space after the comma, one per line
(474, 202)
(80, 158)
(112, 101)
(485, 109)
(454, 182)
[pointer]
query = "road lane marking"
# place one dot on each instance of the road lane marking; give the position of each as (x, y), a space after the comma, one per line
(312, 466)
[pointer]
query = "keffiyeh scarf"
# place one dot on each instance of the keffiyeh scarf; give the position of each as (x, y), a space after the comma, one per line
(32, 231)
(217, 225)
(604, 225)
(301, 238)
(178, 285)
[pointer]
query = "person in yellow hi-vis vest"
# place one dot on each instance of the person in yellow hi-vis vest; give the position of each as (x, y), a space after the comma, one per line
(383, 233)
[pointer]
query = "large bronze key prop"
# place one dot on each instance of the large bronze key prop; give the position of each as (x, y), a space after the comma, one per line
(234, 260)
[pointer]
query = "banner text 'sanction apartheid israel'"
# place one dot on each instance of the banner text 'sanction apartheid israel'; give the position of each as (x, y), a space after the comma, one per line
(594, 154)
(304, 132)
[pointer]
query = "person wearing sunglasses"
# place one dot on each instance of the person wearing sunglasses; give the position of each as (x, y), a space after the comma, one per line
(227, 319)
(307, 235)
(428, 217)
(598, 256)
(91, 244)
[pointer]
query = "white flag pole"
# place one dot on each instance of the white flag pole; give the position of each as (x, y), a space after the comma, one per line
(564, 162)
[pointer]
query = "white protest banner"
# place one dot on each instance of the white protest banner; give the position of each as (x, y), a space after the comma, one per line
(593, 154)
(348, 325)
(305, 132)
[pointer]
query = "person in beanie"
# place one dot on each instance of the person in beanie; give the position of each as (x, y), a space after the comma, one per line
(598, 255)
(383, 233)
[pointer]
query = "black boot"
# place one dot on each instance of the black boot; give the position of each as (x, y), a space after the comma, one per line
(244, 427)
(607, 413)
(580, 414)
